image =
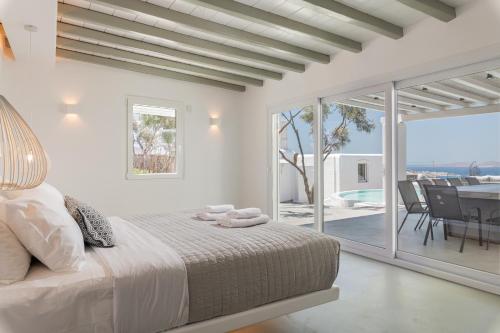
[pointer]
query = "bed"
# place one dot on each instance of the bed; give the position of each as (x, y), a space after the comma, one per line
(172, 272)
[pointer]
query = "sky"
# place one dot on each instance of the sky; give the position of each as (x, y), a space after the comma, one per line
(361, 143)
(456, 139)
(444, 140)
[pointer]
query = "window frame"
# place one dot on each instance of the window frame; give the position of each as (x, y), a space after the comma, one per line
(180, 109)
(362, 180)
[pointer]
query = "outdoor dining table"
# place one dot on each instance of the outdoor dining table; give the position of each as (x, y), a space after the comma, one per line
(486, 197)
(484, 191)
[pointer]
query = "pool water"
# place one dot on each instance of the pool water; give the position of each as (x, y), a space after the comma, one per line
(376, 195)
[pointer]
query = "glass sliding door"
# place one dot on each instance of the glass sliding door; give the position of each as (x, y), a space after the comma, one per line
(450, 145)
(356, 146)
(294, 165)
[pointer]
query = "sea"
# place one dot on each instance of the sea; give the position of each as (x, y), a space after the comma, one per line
(459, 171)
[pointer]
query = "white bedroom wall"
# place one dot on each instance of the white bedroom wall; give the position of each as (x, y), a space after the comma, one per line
(428, 46)
(88, 152)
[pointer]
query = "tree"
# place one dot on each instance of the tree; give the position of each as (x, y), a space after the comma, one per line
(152, 134)
(333, 140)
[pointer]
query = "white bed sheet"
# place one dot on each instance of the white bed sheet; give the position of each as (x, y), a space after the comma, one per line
(149, 281)
(59, 302)
(140, 285)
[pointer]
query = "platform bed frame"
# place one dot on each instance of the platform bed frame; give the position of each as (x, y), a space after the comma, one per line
(261, 313)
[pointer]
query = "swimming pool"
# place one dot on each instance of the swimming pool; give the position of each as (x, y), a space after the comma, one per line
(371, 196)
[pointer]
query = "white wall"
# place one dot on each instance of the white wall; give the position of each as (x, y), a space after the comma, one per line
(428, 46)
(340, 174)
(348, 171)
(89, 153)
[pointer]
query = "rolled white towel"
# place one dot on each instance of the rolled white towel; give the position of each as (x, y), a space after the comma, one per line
(245, 213)
(242, 223)
(218, 208)
(210, 216)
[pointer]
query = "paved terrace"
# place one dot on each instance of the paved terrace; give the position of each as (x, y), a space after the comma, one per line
(367, 226)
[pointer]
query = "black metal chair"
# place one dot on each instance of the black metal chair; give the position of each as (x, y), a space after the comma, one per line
(412, 201)
(444, 203)
(493, 220)
(421, 184)
(472, 181)
(455, 181)
(440, 181)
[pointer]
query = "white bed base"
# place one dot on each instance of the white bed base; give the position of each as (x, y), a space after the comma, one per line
(262, 313)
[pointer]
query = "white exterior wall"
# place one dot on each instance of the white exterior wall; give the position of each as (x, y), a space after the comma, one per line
(341, 174)
(348, 172)
(288, 182)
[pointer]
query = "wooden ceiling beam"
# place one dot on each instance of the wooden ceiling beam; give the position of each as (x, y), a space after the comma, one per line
(433, 98)
(217, 29)
(434, 8)
(105, 20)
(413, 104)
(381, 104)
(478, 84)
(69, 54)
(74, 45)
(260, 16)
(446, 89)
(360, 18)
(74, 31)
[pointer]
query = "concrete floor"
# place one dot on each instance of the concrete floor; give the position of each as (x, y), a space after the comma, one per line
(377, 297)
(368, 226)
(370, 230)
(300, 214)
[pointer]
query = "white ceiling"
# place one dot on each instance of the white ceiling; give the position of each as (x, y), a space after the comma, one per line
(15, 13)
(390, 10)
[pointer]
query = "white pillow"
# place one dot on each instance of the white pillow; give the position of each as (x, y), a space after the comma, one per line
(42, 224)
(14, 259)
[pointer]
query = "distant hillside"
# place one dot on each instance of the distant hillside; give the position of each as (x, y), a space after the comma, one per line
(487, 164)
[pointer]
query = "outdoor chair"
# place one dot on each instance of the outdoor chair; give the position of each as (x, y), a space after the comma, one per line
(444, 203)
(421, 184)
(455, 181)
(440, 181)
(412, 202)
(472, 181)
(493, 220)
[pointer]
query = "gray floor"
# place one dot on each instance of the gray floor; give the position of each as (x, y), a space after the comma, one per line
(377, 297)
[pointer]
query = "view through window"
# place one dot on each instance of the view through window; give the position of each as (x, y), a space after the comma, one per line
(154, 138)
(353, 184)
(450, 180)
(296, 165)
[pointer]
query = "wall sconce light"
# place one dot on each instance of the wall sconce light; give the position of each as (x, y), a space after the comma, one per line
(69, 108)
(214, 121)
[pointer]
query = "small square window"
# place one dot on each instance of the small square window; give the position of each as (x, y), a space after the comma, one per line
(362, 172)
(155, 138)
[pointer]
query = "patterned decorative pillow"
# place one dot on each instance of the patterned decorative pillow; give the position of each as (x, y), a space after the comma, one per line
(95, 228)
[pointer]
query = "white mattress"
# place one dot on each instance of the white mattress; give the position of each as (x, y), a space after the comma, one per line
(140, 285)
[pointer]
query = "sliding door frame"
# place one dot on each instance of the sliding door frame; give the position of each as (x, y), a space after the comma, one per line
(390, 254)
(273, 160)
(389, 131)
(461, 274)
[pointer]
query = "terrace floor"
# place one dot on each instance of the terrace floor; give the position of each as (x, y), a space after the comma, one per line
(367, 226)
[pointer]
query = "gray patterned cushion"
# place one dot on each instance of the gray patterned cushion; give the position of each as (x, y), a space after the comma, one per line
(95, 228)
